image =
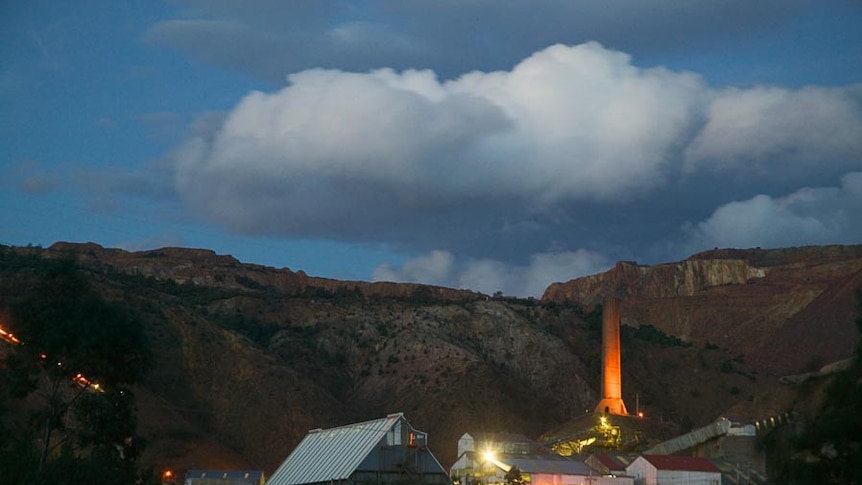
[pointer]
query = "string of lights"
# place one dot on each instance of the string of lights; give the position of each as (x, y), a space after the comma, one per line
(77, 378)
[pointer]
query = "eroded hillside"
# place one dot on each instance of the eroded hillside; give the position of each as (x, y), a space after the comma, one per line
(785, 310)
(248, 358)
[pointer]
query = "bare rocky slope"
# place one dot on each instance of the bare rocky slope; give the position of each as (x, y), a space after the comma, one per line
(785, 310)
(250, 357)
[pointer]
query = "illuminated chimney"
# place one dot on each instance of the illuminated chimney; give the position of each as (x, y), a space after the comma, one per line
(612, 387)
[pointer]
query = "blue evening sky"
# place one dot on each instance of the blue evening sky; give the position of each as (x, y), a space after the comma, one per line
(486, 145)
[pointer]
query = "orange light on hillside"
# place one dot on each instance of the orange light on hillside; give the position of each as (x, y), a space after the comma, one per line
(80, 380)
(640, 414)
(85, 383)
(8, 337)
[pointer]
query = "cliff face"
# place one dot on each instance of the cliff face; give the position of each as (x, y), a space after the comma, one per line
(248, 358)
(782, 309)
(203, 267)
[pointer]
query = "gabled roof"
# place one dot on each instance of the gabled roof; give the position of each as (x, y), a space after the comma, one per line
(681, 463)
(332, 454)
(545, 464)
(499, 437)
(534, 463)
(614, 461)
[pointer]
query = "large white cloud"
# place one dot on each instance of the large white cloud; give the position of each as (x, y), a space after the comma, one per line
(367, 151)
(809, 216)
(490, 276)
(587, 122)
(758, 125)
(381, 127)
(575, 142)
(567, 123)
(433, 268)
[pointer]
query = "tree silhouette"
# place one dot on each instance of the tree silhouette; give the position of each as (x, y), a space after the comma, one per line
(513, 476)
(78, 354)
(828, 450)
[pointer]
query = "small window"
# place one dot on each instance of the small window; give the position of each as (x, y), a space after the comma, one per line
(393, 436)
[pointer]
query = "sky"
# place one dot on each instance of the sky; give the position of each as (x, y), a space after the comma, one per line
(490, 145)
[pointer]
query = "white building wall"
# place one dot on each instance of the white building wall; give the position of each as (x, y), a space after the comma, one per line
(550, 479)
(612, 481)
(675, 477)
(642, 471)
(554, 479)
(466, 443)
(544, 479)
(463, 463)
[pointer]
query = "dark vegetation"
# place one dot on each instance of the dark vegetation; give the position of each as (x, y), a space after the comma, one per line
(650, 335)
(825, 447)
(253, 369)
(258, 331)
(70, 432)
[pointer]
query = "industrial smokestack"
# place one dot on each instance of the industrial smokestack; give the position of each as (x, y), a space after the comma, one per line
(612, 387)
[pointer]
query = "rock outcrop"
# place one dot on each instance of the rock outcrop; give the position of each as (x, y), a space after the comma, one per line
(783, 309)
(204, 267)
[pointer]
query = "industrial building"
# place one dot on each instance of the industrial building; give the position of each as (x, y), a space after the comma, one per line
(378, 452)
(487, 459)
(611, 463)
(495, 442)
(673, 469)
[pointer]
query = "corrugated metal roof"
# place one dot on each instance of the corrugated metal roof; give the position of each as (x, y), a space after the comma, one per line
(545, 464)
(681, 463)
(332, 454)
(615, 461)
(701, 435)
(499, 437)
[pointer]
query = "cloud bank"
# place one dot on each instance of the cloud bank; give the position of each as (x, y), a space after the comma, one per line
(569, 157)
(819, 215)
(490, 276)
(568, 122)
(271, 38)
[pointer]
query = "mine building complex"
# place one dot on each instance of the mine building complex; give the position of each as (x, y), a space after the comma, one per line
(378, 452)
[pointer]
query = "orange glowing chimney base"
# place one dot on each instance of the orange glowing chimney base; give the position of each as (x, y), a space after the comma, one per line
(612, 388)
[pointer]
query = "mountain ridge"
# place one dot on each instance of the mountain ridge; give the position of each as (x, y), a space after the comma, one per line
(251, 357)
(762, 302)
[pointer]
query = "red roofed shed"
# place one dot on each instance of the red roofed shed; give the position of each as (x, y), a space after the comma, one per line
(611, 463)
(667, 469)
